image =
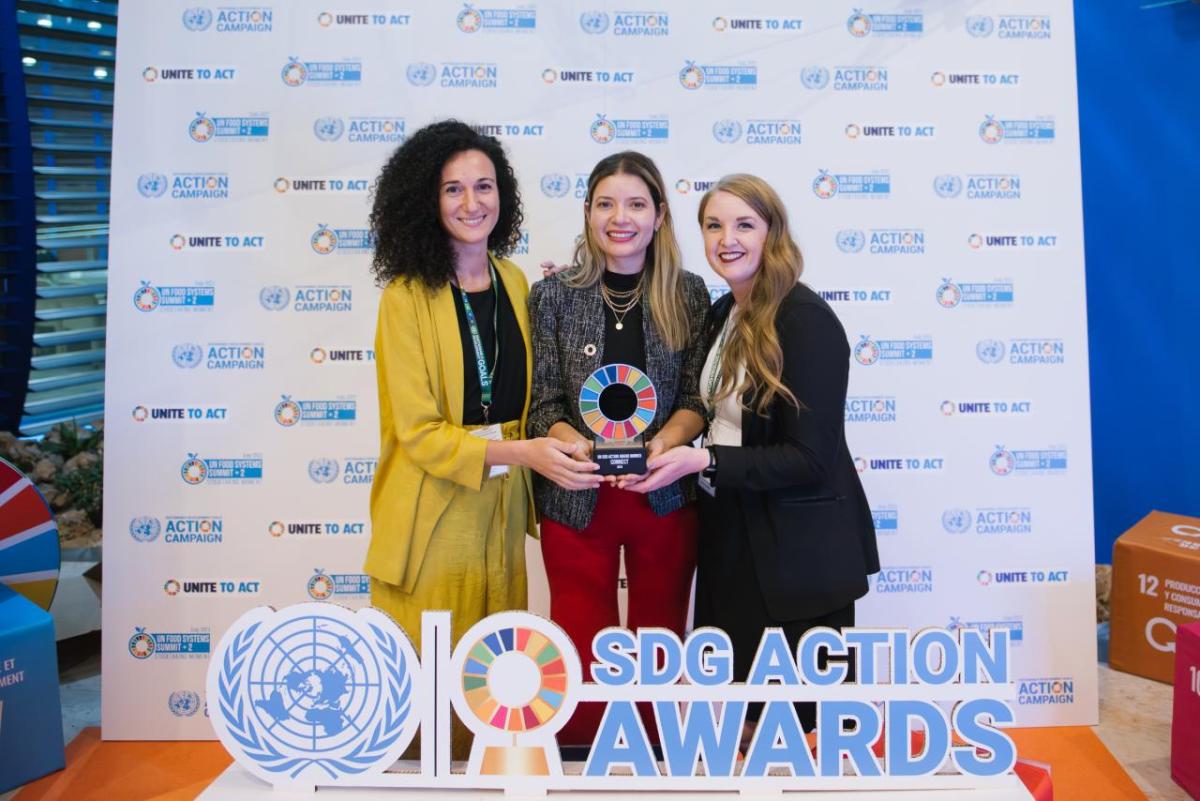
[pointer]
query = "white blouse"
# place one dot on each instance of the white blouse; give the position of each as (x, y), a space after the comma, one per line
(726, 427)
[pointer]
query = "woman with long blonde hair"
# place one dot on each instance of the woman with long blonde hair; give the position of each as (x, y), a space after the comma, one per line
(625, 300)
(786, 535)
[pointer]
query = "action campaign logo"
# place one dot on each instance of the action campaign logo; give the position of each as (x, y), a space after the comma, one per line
(229, 19)
(758, 131)
(625, 23)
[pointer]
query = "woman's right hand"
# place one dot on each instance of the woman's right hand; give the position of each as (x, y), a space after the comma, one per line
(565, 463)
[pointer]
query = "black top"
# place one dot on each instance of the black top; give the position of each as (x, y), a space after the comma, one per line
(508, 381)
(627, 346)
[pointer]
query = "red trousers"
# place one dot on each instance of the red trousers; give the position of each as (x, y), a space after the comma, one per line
(582, 569)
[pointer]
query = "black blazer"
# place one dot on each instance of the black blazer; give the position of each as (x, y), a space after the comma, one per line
(806, 516)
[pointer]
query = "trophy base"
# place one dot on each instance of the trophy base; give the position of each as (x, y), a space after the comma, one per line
(514, 760)
(618, 457)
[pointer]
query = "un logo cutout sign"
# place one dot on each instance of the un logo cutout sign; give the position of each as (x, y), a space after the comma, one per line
(315, 694)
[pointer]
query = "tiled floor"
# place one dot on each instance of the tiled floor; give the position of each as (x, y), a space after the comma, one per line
(1135, 722)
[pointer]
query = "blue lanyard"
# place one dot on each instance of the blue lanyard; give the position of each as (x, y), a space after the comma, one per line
(485, 376)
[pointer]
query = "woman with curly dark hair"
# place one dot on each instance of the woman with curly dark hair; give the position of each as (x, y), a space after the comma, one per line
(452, 499)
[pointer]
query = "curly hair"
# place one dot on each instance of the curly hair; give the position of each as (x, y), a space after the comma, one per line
(406, 224)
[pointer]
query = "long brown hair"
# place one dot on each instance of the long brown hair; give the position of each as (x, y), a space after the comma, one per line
(663, 269)
(753, 341)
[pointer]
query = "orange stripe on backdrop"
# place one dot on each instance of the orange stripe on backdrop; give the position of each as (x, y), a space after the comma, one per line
(1081, 768)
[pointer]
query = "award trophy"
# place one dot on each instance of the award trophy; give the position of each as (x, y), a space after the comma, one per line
(618, 402)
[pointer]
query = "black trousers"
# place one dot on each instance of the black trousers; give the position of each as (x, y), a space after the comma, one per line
(729, 597)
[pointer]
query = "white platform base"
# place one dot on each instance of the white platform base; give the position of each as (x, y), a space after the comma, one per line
(235, 784)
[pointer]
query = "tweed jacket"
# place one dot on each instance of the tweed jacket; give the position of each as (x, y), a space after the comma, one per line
(568, 345)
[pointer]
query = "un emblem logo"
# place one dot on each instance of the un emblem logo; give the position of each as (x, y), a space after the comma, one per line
(145, 529)
(814, 77)
(152, 184)
(956, 521)
(727, 131)
(197, 19)
(421, 74)
(329, 129)
(313, 692)
(851, 240)
(990, 351)
(947, 185)
(323, 470)
(593, 22)
(187, 355)
(980, 27)
(183, 703)
(274, 298)
(555, 184)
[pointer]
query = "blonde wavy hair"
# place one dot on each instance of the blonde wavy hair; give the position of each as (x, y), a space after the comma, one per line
(663, 273)
(754, 341)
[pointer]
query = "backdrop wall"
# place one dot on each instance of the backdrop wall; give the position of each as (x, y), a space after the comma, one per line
(928, 154)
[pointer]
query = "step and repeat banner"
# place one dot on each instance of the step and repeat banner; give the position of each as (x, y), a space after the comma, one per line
(929, 157)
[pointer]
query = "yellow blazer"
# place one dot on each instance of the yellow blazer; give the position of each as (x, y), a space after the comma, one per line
(425, 453)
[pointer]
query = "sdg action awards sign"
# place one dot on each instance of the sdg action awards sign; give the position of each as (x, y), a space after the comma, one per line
(316, 695)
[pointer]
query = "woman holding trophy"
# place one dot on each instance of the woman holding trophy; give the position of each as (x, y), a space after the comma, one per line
(617, 350)
(787, 539)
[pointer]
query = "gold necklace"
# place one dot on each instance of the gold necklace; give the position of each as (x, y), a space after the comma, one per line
(620, 303)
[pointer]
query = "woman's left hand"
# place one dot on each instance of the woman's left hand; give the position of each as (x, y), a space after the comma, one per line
(666, 467)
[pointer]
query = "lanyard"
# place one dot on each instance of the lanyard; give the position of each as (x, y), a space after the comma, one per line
(714, 375)
(485, 376)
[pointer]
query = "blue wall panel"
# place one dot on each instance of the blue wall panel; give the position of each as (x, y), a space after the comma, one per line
(1139, 109)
